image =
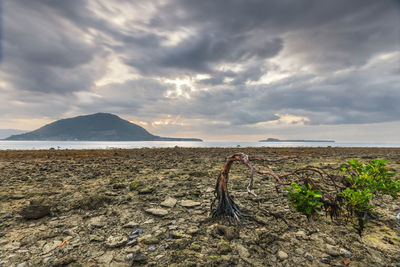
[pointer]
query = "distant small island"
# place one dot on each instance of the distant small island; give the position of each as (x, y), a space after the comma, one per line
(304, 141)
(94, 127)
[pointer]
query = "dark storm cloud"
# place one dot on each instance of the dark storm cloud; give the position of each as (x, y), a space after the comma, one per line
(60, 48)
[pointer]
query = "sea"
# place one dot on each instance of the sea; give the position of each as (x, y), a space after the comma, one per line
(42, 145)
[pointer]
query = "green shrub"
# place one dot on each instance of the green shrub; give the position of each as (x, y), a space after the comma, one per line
(362, 181)
(304, 199)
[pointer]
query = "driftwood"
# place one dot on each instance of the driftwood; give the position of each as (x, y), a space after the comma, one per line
(226, 206)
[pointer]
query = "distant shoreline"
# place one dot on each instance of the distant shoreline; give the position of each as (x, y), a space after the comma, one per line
(298, 141)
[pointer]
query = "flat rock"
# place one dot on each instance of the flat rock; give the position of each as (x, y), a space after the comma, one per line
(98, 222)
(242, 251)
(106, 257)
(282, 255)
(116, 241)
(35, 211)
(189, 203)
(332, 250)
(50, 246)
(157, 212)
(169, 202)
(131, 224)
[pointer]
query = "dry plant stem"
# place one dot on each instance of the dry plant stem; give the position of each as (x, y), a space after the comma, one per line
(226, 206)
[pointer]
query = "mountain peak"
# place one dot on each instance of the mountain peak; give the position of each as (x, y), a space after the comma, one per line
(93, 127)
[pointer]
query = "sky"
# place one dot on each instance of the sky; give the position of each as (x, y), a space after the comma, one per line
(216, 70)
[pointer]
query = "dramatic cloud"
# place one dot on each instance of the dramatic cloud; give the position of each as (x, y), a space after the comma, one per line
(208, 68)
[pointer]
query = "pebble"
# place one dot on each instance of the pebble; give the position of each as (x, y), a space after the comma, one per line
(131, 224)
(189, 203)
(282, 255)
(139, 257)
(116, 241)
(345, 252)
(50, 246)
(300, 251)
(35, 211)
(243, 252)
(332, 250)
(129, 257)
(96, 238)
(301, 235)
(135, 233)
(157, 212)
(98, 222)
(23, 264)
(308, 256)
(47, 260)
(132, 242)
(149, 221)
(6, 216)
(169, 202)
(152, 248)
(398, 216)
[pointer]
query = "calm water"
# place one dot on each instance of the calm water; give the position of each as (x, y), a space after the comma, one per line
(32, 145)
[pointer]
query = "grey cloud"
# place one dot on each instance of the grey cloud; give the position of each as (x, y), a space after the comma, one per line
(46, 54)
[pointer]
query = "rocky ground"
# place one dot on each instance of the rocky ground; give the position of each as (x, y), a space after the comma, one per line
(151, 207)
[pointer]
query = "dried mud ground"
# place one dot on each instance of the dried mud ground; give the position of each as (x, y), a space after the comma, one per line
(151, 207)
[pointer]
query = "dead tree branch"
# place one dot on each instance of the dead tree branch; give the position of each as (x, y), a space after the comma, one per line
(226, 206)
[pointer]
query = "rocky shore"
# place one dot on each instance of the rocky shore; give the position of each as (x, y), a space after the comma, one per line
(151, 207)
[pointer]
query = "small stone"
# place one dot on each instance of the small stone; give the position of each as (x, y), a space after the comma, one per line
(146, 190)
(308, 256)
(301, 235)
(139, 257)
(129, 257)
(50, 246)
(6, 216)
(332, 250)
(282, 255)
(193, 230)
(106, 258)
(229, 233)
(179, 234)
(189, 203)
(97, 222)
(169, 202)
(132, 242)
(152, 248)
(345, 252)
(23, 264)
(149, 221)
(96, 238)
(157, 212)
(116, 241)
(243, 252)
(131, 224)
(148, 240)
(273, 259)
(330, 240)
(300, 251)
(47, 260)
(35, 211)
(326, 259)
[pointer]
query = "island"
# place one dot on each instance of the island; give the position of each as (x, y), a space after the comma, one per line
(94, 127)
(304, 141)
